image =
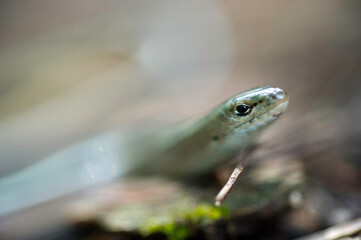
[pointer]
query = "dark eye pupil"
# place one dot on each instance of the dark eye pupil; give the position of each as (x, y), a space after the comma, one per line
(243, 110)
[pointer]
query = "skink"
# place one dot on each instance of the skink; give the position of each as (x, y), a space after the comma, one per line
(187, 150)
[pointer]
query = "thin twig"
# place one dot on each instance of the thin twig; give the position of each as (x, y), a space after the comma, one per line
(336, 232)
(221, 196)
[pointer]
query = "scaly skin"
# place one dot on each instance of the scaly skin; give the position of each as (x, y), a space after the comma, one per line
(185, 151)
(201, 146)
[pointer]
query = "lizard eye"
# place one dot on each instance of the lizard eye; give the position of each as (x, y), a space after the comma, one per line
(243, 110)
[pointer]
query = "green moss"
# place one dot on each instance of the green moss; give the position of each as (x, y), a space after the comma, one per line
(180, 227)
(181, 213)
(205, 213)
(173, 231)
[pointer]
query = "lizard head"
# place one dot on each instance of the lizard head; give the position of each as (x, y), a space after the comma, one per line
(256, 108)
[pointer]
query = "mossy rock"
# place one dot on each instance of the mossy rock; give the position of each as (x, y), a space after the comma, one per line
(178, 211)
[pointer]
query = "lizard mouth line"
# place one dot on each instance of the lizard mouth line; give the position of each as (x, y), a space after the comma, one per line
(273, 113)
(278, 114)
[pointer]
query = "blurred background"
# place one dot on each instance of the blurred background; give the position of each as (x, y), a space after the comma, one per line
(70, 70)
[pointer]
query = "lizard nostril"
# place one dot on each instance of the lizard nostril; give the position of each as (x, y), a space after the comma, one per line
(279, 93)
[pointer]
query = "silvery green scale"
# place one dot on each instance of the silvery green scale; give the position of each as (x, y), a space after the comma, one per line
(185, 151)
(198, 147)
